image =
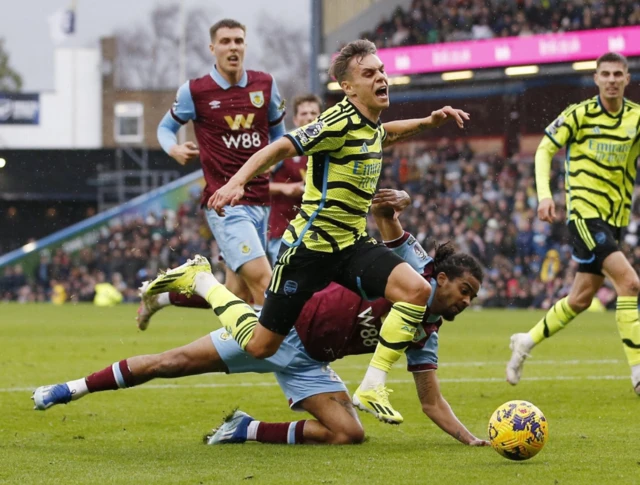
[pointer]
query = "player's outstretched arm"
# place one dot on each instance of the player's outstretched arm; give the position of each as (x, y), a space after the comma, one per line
(261, 161)
(437, 408)
(387, 204)
(402, 129)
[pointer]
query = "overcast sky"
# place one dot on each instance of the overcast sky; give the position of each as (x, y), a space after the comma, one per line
(25, 28)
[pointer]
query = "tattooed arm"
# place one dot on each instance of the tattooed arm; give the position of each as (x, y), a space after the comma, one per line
(439, 411)
(402, 129)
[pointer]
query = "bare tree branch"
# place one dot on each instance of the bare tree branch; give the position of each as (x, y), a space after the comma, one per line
(285, 54)
(148, 55)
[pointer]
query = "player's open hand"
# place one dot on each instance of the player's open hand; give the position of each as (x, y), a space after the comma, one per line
(184, 153)
(229, 194)
(443, 115)
(547, 210)
(478, 442)
(389, 202)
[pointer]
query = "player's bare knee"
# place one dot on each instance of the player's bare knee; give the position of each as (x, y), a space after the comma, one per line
(347, 437)
(349, 433)
(261, 350)
(580, 303)
(631, 286)
(356, 436)
(264, 281)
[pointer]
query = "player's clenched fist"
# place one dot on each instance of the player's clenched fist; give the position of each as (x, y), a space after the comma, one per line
(184, 153)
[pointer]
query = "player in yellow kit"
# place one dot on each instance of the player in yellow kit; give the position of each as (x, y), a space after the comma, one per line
(602, 137)
(327, 242)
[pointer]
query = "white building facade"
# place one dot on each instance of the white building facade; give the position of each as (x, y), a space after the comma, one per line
(68, 117)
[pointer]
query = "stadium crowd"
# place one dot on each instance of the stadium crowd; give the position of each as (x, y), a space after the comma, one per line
(485, 204)
(434, 21)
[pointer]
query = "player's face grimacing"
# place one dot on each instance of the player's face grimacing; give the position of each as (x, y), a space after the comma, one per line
(454, 295)
(611, 78)
(305, 113)
(368, 82)
(228, 48)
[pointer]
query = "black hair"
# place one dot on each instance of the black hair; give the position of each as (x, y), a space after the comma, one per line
(612, 57)
(454, 264)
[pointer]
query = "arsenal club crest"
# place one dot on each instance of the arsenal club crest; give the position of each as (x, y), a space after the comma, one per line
(257, 98)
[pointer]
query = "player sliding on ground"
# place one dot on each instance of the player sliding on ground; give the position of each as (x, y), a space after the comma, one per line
(602, 136)
(334, 323)
(327, 242)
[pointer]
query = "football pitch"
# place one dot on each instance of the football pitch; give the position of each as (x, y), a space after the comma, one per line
(153, 433)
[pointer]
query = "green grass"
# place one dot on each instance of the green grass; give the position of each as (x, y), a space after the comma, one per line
(152, 434)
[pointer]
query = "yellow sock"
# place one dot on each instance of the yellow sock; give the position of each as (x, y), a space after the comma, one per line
(558, 316)
(238, 318)
(396, 334)
(629, 327)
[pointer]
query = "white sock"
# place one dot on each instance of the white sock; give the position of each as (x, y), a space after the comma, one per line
(528, 342)
(78, 388)
(204, 282)
(257, 309)
(252, 430)
(163, 299)
(373, 378)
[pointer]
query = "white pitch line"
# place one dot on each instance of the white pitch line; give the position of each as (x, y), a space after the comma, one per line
(214, 385)
(530, 361)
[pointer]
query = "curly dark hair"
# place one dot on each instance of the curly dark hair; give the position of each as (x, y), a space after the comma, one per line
(454, 264)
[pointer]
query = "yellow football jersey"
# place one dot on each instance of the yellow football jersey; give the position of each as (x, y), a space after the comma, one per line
(602, 149)
(344, 164)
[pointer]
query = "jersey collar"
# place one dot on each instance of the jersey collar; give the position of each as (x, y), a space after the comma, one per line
(363, 117)
(609, 114)
(223, 83)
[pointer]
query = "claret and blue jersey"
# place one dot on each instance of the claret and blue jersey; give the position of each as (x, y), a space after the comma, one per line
(333, 324)
(231, 124)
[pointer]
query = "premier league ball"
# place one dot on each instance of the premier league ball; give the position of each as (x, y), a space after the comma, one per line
(518, 430)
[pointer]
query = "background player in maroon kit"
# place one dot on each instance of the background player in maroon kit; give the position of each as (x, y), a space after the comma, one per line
(235, 113)
(334, 323)
(286, 188)
(287, 177)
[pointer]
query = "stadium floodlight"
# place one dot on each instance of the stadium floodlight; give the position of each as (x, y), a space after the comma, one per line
(584, 66)
(399, 80)
(3, 162)
(333, 86)
(521, 70)
(457, 75)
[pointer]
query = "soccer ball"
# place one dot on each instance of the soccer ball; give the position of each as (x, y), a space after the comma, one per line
(518, 430)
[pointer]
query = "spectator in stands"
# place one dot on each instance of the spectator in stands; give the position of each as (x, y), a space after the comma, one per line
(431, 21)
(482, 203)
